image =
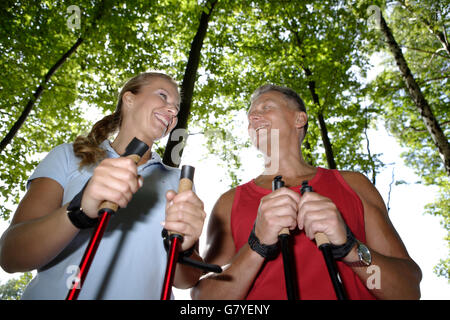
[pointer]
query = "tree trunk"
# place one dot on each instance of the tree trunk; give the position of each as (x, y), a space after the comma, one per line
(326, 142)
(432, 125)
(37, 94)
(187, 89)
(322, 125)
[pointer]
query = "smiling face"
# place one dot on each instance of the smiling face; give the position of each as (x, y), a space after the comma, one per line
(273, 111)
(151, 113)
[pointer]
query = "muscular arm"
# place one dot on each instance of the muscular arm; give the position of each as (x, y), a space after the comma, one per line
(242, 268)
(400, 275)
(40, 228)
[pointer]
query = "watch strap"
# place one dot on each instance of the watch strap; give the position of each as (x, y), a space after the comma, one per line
(361, 262)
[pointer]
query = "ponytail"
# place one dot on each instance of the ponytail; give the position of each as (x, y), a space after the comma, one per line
(88, 148)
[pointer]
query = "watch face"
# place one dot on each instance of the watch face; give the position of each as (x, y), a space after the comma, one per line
(365, 254)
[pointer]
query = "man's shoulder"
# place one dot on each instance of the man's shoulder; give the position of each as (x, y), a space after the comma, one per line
(227, 197)
(354, 178)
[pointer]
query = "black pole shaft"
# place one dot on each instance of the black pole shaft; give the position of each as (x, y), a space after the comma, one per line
(284, 239)
(333, 271)
(328, 257)
(289, 275)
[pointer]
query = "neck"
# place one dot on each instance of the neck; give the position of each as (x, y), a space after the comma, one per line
(289, 164)
(121, 142)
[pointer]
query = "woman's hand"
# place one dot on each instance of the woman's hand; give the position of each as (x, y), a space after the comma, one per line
(185, 215)
(114, 180)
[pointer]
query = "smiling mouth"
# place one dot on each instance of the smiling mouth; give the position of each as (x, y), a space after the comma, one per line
(164, 120)
(265, 126)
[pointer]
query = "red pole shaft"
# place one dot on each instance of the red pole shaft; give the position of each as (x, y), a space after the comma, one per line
(89, 255)
(170, 268)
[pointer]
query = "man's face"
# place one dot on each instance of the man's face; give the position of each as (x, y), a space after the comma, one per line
(269, 112)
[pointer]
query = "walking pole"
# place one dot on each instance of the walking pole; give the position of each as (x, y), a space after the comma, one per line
(186, 180)
(325, 246)
(283, 237)
(135, 150)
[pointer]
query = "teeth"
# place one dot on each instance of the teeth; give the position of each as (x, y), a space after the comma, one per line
(166, 123)
(261, 127)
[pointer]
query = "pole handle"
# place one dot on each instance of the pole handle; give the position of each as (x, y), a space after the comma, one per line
(134, 151)
(278, 183)
(185, 184)
(321, 239)
(284, 231)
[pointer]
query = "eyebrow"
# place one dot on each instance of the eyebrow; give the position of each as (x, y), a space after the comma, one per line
(168, 93)
(262, 102)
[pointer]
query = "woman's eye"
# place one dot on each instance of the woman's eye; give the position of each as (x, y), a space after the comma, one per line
(163, 95)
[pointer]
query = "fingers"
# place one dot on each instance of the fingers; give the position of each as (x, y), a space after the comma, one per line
(114, 180)
(185, 215)
(319, 214)
(277, 211)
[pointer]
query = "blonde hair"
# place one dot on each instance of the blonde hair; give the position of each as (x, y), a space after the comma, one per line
(87, 147)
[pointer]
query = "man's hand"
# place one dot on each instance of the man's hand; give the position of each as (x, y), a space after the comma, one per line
(277, 210)
(319, 214)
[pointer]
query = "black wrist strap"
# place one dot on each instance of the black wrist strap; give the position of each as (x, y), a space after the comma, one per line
(187, 253)
(76, 215)
(183, 257)
(265, 251)
(342, 250)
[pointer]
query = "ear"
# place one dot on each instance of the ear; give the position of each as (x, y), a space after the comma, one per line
(301, 119)
(128, 99)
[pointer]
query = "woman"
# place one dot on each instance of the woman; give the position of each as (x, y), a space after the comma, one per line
(130, 261)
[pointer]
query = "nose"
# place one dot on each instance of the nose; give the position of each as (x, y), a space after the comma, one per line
(172, 108)
(254, 115)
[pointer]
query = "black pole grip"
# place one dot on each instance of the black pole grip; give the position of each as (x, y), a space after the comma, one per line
(136, 146)
(277, 183)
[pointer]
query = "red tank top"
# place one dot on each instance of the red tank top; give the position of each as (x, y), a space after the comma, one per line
(312, 276)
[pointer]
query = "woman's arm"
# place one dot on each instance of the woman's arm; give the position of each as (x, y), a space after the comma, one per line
(40, 228)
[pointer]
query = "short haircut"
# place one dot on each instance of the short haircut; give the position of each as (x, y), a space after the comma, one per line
(287, 92)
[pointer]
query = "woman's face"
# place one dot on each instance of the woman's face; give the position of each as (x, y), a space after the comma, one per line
(152, 113)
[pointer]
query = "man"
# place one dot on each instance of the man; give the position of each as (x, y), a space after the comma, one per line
(375, 265)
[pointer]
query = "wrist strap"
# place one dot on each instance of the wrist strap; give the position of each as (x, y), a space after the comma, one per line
(342, 250)
(182, 254)
(265, 251)
(76, 215)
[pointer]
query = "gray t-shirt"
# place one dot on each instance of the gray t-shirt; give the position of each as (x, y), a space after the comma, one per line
(130, 261)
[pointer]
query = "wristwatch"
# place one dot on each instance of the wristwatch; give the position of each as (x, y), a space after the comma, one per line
(365, 258)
